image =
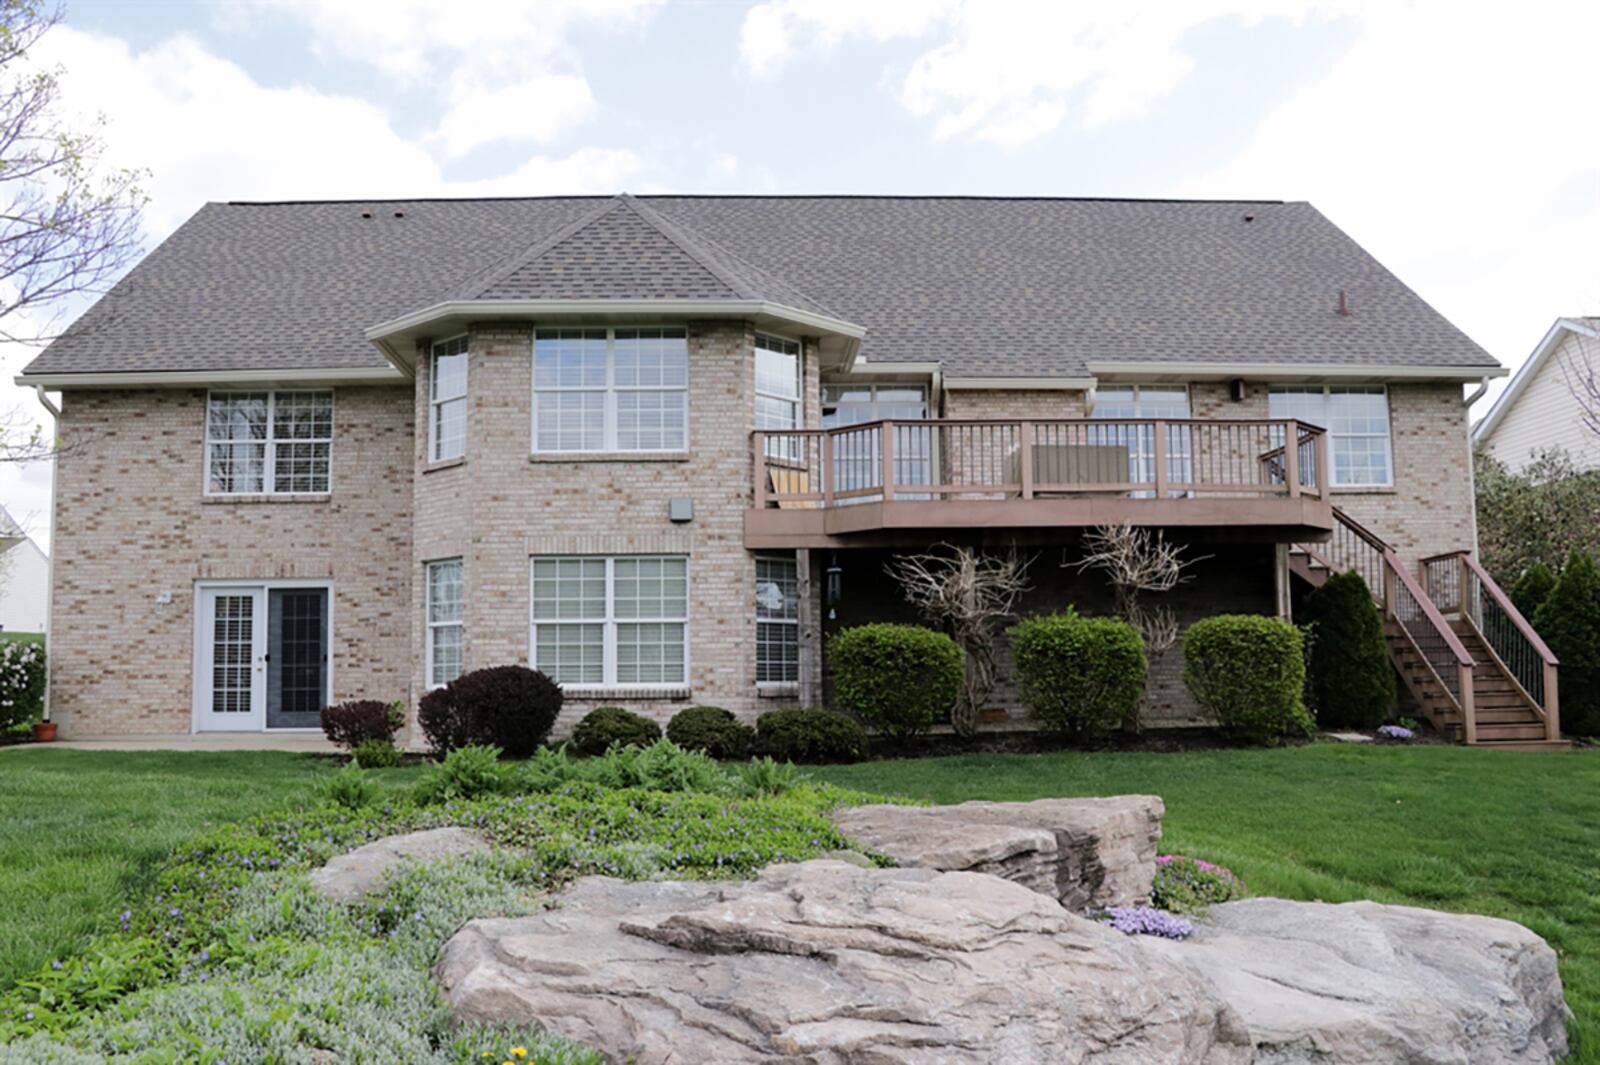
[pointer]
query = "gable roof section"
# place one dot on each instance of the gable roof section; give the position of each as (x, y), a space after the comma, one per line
(986, 288)
(1546, 349)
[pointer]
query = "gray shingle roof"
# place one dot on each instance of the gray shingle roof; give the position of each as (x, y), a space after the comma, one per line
(987, 287)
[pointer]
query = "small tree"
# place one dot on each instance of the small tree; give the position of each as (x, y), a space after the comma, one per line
(1569, 621)
(1137, 561)
(1532, 589)
(1351, 682)
(1539, 514)
(972, 593)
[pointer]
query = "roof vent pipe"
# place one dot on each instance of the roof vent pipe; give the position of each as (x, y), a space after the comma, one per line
(1344, 306)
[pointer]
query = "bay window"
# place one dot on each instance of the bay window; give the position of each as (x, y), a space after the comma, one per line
(612, 622)
(268, 443)
(1357, 420)
(603, 390)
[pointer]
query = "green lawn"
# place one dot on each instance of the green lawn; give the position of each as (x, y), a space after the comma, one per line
(1513, 835)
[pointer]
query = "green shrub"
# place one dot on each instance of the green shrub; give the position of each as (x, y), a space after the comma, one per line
(1248, 671)
(22, 673)
(712, 731)
(1351, 680)
(810, 736)
(898, 679)
(763, 777)
(1569, 622)
(662, 766)
(1079, 677)
(350, 724)
(349, 788)
(376, 754)
(1532, 589)
(608, 726)
(510, 707)
(1190, 885)
(465, 773)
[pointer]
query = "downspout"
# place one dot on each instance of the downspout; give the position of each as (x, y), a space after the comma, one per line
(50, 562)
(1472, 464)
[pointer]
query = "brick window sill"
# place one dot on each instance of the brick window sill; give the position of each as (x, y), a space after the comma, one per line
(622, 695)
(610, 456)
(444, 464)
(242, 500)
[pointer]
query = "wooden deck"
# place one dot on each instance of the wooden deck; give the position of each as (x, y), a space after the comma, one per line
(883, 480)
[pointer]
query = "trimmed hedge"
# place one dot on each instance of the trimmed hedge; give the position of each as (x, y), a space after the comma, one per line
(510, 707)
(898, 679)
(612, 726)
(1351, 680)
(712, 731)
(810, 736)
(1569, 622)
(350, 724)
(1078, 677)
(1249, 672)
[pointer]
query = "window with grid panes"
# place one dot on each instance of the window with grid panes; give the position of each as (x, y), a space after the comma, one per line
(611, 621)
(777, 621)
(447, 401)
(446, 632)
(1357, 420)
(611, 389)
(269, 443)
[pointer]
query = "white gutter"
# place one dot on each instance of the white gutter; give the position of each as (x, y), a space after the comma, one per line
(349, 375)
(677, 308)
(1477, 393)
(1030, 384)
(1292, 371)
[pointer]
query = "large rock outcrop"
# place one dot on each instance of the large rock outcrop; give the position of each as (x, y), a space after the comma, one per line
(362, 872)
(1085, 853)
(1323, 984)
(826, 962)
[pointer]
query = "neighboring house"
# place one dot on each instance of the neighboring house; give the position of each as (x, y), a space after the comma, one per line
(24, 580)
(331, 450)
(1542, 407)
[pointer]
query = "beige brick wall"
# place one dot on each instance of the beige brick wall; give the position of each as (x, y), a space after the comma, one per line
(133, 523)
(500, 506)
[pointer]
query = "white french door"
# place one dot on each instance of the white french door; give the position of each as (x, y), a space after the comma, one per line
(230, 679)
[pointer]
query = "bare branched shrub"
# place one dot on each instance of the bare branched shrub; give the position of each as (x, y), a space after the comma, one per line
(1137, 561)
(972, 593)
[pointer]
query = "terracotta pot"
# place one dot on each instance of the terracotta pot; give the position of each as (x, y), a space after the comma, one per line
(44, 731)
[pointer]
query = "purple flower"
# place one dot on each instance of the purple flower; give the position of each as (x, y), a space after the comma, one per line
(1146, 921)
(1397, 732)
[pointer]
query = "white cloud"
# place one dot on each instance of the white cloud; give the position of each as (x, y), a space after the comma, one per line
(502, 69)
(1459, 152)
(1012, 71)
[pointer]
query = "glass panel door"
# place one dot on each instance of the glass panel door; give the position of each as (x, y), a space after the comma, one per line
(230, 674)
(297, 657)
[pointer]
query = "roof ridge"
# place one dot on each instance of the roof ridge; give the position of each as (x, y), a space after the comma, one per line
(652, 218)
(474, 286)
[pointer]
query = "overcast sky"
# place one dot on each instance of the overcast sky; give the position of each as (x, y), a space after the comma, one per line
(1457, 141)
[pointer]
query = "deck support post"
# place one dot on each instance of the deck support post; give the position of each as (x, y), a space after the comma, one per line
(810, 622)
(1280, 581)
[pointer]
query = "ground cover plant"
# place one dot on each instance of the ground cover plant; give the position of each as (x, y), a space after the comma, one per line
(225, 953)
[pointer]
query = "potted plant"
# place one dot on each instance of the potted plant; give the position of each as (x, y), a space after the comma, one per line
(44, 731)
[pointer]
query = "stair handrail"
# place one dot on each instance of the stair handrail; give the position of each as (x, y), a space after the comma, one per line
(1541, 691)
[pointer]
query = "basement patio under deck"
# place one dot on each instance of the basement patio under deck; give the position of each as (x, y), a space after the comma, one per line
(900, 482)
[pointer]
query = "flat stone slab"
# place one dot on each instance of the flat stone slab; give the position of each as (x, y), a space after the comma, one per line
(1349, 737)
(1084, 853)
(829, 963)
(1324, 984)
(354, 876)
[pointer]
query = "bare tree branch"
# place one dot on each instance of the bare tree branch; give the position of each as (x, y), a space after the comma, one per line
(1137, 561)
(1582, 374)
(972, 593)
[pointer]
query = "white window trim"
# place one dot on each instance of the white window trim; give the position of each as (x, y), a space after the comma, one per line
(1138, 393)
(427, 615)
(608, 655)
(1333, 437)
(434, 402)
(269, 466)
(200, 685)
(610, 390)
(777, 685)
(799, 397)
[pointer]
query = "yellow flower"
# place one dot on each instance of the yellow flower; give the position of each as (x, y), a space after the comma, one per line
(519, 1052)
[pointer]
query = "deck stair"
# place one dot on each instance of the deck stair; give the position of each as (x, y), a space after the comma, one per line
(1469, 659)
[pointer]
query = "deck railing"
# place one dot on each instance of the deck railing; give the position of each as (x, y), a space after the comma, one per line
(1458, 584)
(947, 459)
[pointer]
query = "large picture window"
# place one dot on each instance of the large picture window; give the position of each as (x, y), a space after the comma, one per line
(444, 610)
(1357, 420)
(777, 621)
(269, 443)
(447, 401)
(610, 390)
(612, 622)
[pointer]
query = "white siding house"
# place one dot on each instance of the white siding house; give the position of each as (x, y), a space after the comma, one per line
(24, 580)
(1539, 410)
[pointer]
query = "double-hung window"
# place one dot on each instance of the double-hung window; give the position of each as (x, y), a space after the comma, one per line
(778, 392)
(446, 631)
(610, 390)
(777, 622)
(447, 400)
(1357, 420)
(612, 622)
(269, 443)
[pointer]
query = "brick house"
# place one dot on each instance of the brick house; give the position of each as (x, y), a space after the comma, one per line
(660, 447)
